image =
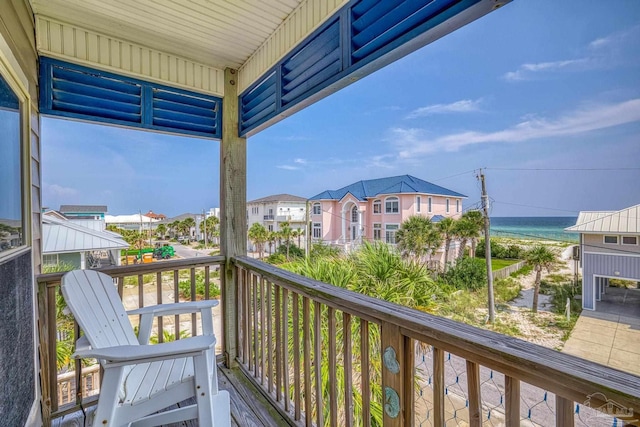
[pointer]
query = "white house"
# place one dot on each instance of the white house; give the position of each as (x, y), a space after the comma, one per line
(610, 248)
(272, 211)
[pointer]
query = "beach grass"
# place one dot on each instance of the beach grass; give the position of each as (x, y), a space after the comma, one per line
(497, 264)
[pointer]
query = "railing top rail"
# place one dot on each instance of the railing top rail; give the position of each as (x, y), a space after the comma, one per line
(135, 269)
(566, 375)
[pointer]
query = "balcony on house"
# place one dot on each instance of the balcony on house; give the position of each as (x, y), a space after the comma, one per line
(292, 351)
(269, 217)
(314, 354)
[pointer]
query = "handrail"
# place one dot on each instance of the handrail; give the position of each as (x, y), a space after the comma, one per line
(568, 376)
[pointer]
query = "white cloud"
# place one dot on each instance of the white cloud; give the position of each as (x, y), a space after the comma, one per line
(462, 106)
(300, 161)
(55, 190)
(412, 142)
(617, 38)
(288, 167)
(526, 71)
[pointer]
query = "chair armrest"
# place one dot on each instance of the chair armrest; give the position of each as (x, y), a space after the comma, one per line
(82, 343)
(135, 354)
(148, 314)
(175, 308)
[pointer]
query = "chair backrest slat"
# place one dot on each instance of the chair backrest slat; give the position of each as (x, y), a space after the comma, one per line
(94, 300)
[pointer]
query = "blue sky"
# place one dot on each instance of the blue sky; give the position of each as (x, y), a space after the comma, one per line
(541, 84)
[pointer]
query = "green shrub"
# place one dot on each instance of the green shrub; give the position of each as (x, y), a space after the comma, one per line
(294, 251)
(468, 273)
(320, 250)
(57, 268)
(499, 250)
(506, 289)
(184, 287)
(276, 259)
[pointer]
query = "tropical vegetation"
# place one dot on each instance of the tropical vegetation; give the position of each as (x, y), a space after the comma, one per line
(539, 257)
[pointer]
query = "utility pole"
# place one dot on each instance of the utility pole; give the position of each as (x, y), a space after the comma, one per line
(487, 248)
(308, 231)
(204, 218)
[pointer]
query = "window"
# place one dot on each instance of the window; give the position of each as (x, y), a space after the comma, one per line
(270, 227)
(377, 231)
(447, 205)
(429, 204)
(50, 259)
(11, 186)
(457, 205)
(629, 240)
(317, 209)
(390, 233)
(377, 206)
(391, 205)
(611, 240)
(418, 204)
(354, 214)
(317, 230)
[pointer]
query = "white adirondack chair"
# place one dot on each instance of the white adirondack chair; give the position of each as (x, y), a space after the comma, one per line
(141, 379)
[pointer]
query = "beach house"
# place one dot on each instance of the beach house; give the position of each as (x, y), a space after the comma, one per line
(225, 70)
(272, 211)
(373, 210)
(610, 249)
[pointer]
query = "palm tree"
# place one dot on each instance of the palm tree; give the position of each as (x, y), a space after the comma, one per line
(447, 228)
(209, 226)
(271, 239)
(466, 230)
(300, 234)
(477, 219)
(188, 223)
(173, 228)
(161, 230)
(417, 237)
(258, 235)
(539, 257)
(287, 233)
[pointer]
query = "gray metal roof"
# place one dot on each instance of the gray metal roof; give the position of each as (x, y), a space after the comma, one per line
(625, 221)
(279, 198)
(83, 208)
(61, 236)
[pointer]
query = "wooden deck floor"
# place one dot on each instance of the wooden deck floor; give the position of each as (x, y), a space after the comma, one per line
(248, 407)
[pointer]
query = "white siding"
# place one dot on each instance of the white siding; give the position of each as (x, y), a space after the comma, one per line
(78, 45)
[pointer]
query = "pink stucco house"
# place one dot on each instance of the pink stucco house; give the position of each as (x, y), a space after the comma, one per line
(374, 209)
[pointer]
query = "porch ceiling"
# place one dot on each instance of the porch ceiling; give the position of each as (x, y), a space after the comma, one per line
(218, 33)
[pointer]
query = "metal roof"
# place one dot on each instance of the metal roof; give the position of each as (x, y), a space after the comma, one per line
(390, 185)
(59, 236)
(279, 198)
(83, 209)
(625, 221)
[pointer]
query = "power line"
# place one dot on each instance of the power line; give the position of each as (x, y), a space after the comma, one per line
(565, 169)
(536, 207)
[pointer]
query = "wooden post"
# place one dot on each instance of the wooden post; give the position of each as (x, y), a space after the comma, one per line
(393, 365)
(438, 387)
(512, 401)
(475, 400)
(564, 411)
(233, 201)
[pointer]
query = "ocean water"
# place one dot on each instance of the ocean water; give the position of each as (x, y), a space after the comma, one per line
(537, 227)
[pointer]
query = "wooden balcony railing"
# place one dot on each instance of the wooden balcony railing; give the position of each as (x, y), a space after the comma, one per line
(327, 356)
(139, 285)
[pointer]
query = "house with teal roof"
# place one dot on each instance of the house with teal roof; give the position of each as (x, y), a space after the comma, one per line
(372, 210)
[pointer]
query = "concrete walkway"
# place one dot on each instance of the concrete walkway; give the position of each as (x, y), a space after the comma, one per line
(611, 334)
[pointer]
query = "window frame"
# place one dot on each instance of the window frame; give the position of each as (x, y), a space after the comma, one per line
(316, 227)
(313, 209)
(377, 229)
(392, 199)
(604, 239)
(448, 205)
(635, 243)
(354, 214)
(457, 206)
(377, 205)
(418, 203)
(387, 230)
(429, 205)
(13, 81)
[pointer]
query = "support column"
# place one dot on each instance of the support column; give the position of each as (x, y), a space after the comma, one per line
(233, 207)
(344, 225)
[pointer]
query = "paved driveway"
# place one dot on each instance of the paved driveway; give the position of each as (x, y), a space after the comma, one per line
(611, 334)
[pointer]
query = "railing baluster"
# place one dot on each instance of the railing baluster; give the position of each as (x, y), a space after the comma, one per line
(285, 348)
(393, 376)
(194, 321)
(333, 398)
(249, 318)
(278, 305)
(159, 300)
(263, 328)
(296, 357)
(364, 376)
(255, 325)
(318, 361)
(306, 330)
(53, 335)
(78, 366)
(564, 411)
(120, 281)
(409, 381)
(438, 387)
(140, 291)
(348, 368)
(207, 283)
(512, 401)
(473, 391)
(176, 298)
(270, 379)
